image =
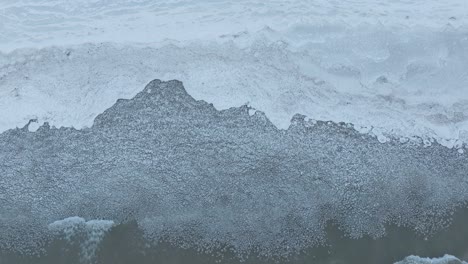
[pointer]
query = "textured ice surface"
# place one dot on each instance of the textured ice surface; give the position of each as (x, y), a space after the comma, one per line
(391, 68)
(196, 176)
(447, 259)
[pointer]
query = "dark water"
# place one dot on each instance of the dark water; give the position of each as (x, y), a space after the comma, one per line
(125, 244)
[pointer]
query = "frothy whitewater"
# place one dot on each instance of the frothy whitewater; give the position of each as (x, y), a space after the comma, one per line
(197, 177)
(391, 69)
(294, 116)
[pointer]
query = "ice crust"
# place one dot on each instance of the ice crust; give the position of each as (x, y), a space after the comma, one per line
(199, 177)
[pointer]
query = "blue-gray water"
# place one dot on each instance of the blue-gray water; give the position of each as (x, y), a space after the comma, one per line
(125, 244)
(207, 180)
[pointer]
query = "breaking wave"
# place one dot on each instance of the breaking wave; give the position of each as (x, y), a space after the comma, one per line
(198, 177)
(408, 83)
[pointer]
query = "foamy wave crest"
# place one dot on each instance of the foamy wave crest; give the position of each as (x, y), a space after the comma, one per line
(447, 259)
(87, 234)
(197, 177)
(406, 83)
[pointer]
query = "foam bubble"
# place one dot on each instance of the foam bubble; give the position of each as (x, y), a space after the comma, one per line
(88, 234)
(446, 259)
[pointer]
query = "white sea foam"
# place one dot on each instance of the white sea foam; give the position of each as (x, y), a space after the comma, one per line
(447, 259)
(416, 87)
(264, 191)
(87, 233)
(392, 69)
(40, 23)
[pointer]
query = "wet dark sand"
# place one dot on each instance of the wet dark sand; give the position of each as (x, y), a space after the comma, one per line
(125, 244)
